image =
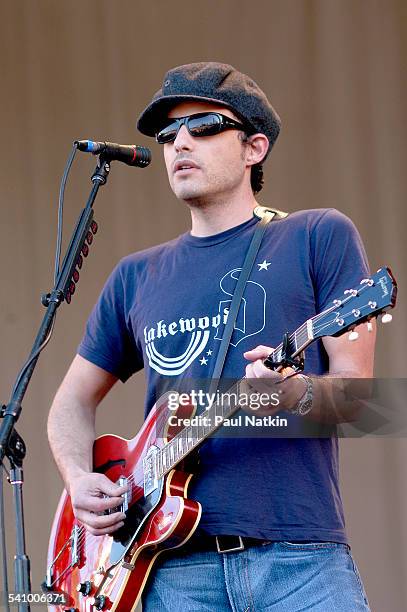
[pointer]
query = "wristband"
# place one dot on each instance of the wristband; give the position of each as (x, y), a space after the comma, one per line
(304, 405)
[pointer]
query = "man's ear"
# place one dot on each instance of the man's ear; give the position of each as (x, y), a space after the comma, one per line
(257, 147)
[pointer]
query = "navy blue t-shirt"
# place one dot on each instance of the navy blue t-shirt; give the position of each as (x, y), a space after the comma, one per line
(164, 309)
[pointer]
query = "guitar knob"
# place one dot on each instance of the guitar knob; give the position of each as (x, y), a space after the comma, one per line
(353, 336)
(98, 602)
(369, 326)
(84, 587)
(386, 318)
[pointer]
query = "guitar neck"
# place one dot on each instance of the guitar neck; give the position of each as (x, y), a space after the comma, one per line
(191, 436)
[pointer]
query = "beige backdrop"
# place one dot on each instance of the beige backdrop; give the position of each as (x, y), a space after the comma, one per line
(334, 69)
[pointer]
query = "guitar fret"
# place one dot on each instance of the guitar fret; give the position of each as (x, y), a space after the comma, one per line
(155, 459)
(196, 428)
(175, 451)
(303, 337)
(227, 405)
(194, 434)
(180, 448)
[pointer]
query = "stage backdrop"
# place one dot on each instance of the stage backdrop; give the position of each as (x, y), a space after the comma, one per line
(335, 71)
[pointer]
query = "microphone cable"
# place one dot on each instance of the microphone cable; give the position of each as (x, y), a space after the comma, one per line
(57, 263)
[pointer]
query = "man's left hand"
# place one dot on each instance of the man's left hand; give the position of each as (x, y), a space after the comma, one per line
(290, 391)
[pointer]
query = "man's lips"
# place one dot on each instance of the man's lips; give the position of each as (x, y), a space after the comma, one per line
(183, 165)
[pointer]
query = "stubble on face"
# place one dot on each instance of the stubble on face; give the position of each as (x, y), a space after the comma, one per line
(220, 160)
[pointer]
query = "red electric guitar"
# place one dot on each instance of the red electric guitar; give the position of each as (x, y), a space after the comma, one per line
(110, 572)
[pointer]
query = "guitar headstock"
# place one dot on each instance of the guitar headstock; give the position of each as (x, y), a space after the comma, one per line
(372, 297)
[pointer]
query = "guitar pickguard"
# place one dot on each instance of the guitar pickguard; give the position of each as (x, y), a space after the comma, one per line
(137, 515)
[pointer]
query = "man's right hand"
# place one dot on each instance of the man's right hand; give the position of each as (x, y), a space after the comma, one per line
(91, 495)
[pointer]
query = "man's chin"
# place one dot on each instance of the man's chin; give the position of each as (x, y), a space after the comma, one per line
(191, 196)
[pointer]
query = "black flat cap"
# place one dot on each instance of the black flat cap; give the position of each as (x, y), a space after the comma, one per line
(217, 83)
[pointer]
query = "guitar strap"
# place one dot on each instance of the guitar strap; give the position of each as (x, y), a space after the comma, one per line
(266, 215)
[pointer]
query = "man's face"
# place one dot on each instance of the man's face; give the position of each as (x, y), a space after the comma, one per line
(219, 167)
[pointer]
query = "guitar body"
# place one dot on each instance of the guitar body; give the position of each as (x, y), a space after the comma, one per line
(112, 570)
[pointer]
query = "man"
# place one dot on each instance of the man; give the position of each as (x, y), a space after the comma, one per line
(165, 308)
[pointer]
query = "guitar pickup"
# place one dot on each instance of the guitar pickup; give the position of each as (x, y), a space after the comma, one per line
(150, 472)
(126, 498)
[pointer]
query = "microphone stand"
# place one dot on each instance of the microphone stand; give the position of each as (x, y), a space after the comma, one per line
(11, 444)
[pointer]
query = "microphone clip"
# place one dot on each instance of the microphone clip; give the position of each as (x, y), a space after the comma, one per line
(102, 170)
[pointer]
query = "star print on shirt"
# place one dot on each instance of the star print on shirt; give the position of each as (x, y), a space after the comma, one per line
(203, 361)
(209, 352)
(264, 265)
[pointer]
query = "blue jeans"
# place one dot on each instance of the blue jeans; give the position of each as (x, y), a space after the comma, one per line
(277, 577)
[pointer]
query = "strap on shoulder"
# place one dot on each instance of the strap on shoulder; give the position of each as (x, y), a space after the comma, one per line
(260, 212)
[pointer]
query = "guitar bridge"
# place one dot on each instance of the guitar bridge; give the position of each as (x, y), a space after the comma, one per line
(73, 544)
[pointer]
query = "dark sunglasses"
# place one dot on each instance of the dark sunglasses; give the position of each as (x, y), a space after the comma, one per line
(200, 124)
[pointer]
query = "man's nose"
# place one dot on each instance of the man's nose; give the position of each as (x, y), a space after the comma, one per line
(183, 141)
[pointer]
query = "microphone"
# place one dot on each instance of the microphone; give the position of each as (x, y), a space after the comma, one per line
(132, 155)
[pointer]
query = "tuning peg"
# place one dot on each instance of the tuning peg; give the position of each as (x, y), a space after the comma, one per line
(353, 336)
(369, 326)
(386, 318)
